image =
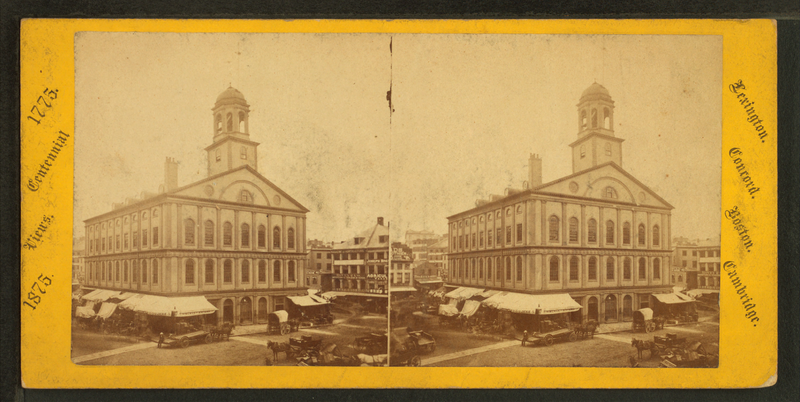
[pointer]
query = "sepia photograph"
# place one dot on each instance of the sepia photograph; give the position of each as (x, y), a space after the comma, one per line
(450, 200)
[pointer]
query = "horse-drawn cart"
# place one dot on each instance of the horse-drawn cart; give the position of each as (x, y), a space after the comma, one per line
(185, 340)
(549, 338)
(422, 340)
(278, 323)
(303, 345)
(643, 320)
(372, 344)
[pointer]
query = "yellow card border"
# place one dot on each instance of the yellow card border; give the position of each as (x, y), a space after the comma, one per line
(748, 349)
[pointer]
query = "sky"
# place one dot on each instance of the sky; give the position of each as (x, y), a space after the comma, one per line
(467, 112)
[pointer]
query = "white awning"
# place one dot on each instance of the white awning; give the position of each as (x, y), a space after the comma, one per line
(99, 295)
(106, 310)
(332, 294)
(84, 312)
(673, 298)
(463, 293)
(447, 310)
(164, 306)
(533, 304)
(402, 289)
(305, 301)
(470, 307)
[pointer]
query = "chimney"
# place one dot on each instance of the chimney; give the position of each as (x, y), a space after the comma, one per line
(380, 220)
(534, 171)
(170, 175)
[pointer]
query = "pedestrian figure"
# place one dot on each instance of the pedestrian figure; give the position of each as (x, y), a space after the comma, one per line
(160, 339)
(524, 337)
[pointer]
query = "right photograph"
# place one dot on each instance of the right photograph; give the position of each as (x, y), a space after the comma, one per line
(555, 200)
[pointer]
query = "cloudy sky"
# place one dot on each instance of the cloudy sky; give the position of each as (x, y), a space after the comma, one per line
(468, 109)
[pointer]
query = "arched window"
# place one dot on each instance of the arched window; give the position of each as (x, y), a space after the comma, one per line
(155, 272)
(583, 151)
(209, 271)
(680, 278)
(553, 228)
(218, 124)
(227, 271)
(627, 307)
(489, 268)
(116, 271)
(276, 271)
(144, 271)
(673, 278)
(573, 230)
(218, 152)
(554, 269)
(480, 268)
(626, 233)
(208, 235)
(610, 268)
(642, 235)
(519, 269)
(702, 281)
(508, 268)
(227, 234)
(473, 269)
(262, 271)
(583, 119)
(241, 122)
(592, 231)
(610, 192)
(657, 269)
(610, 232)
(594, 118)
(262, 236)
(125, 271)
(189, 272)
(290, 271)
(290, 238)
(245, 235)
(642, 268)
(245, 271)
(606, 118)
(626, 269)
(229, 122)
(245, 196)
(276, 237)
(573, 269)
(656, 235)
(592, 268)
(188, 231)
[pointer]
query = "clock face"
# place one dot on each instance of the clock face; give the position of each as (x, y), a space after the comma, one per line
(642, 196)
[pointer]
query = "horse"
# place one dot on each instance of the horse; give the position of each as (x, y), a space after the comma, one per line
(278, 347)
(587, 329)
(659, 322)
(641, 345)
(222, 331)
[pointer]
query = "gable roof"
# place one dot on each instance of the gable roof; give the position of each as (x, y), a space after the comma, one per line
(371, 238)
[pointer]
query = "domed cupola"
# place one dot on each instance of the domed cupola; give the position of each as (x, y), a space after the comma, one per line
(232, 146)
(231, 114)
(596, 142)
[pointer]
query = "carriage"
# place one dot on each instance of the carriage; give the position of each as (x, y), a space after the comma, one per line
(422, 341)
(550, 337)
(643, 320)
(278, 323)
(185, 340)
(303, 345)
(372, 344)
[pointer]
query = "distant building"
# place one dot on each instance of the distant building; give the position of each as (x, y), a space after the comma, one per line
(697, 264)
(598, 235)
(401, 273)
(437, 256)
(78, 266)
(360, 264)
(320, 268)
(233, 237)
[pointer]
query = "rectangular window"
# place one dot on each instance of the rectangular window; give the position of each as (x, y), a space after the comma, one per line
(480, 242)
(474, 237)
(125, 241)
(694, 264)
(694, 253)
(144, 237)
(703, 266)
(155, 236)
(519, 232)
(499, 236)
(116, 245)
(136, 238)
(319, 256)
(328, 267)
(703, 254)
(508, 234)
(684, 264)
(684, 253)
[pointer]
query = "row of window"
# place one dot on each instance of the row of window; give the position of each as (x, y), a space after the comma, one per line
(711, 253)
(359, 256)
(474, 269)
(229, 122)
(97, 227)
(119, 271)
(356, 269)
(554, 228)
(116, 242)
(355, 284)
(606, 119)
(244, 238)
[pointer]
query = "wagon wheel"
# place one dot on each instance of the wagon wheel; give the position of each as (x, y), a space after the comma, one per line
(573, 337)
(701, 350)
(209, 338)
(184, 342)
(284, 330)
(650, 327)
(548, 340)
(415, 361)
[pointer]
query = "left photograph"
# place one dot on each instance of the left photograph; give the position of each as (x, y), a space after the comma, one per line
(227, 200)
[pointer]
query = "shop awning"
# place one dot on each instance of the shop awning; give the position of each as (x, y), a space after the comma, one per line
(486, 294)
(447, 310)
(700, 292)
(125, 296)
(332, 294)
(106, 310)
(533, 304)
(130, 303)
(463, 293)
(402, 289)
(430, 281)
(84, 312)
(470, 307)
(673, 298)
(164, 306)
(99, 295)
(305, 301)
